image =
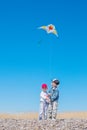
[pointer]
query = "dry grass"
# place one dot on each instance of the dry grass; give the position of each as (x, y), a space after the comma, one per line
(64, 115)
(68, 115)
(19, 116)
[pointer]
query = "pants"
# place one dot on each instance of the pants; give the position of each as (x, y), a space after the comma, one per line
(43, 110)
(52, 110)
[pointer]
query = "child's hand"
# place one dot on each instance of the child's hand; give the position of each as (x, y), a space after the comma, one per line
(49, 100)
(47, 97)
(49, 94)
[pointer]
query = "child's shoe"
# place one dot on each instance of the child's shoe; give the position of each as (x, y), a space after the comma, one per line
(40, 118)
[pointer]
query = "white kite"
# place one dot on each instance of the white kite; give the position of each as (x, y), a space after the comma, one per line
(49, 29)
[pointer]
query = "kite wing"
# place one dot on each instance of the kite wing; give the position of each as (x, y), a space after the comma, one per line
(55, 33)
(43, 27)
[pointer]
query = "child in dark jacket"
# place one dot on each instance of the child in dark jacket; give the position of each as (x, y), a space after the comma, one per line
(54, 96)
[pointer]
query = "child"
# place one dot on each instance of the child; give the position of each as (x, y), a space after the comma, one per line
(54, 96)
(43, 102)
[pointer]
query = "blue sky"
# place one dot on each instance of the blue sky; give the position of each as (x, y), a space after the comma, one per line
(30, 57)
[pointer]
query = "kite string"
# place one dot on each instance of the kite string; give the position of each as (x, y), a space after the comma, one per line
(50, 62)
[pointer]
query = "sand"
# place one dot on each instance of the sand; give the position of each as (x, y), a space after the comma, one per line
(27, 124)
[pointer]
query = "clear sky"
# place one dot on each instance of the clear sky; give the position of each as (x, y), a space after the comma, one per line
(30, 57)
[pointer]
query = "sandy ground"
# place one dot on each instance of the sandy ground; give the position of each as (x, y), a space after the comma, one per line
(27, 124)
(29, 121)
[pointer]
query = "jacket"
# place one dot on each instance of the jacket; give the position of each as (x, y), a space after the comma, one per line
(43, 96)
(54, 94)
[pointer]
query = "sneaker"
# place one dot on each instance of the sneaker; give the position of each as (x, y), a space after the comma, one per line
(40, 118)
(50, 117)
(53, 119)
